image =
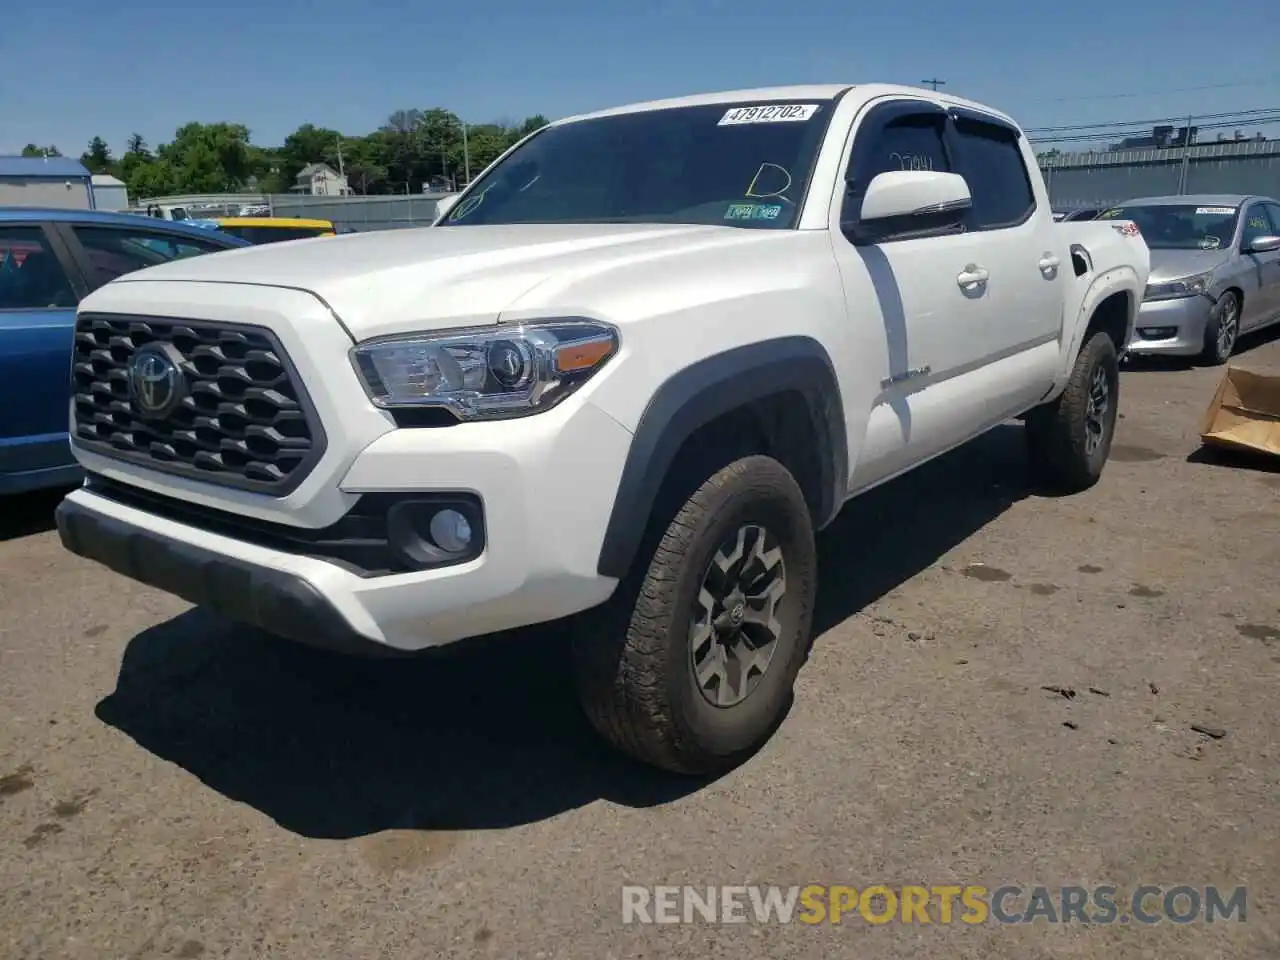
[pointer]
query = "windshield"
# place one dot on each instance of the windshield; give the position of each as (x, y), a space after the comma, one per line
(1180, 226)
(744, 165)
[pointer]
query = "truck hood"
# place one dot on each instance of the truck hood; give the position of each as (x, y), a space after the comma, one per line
(439, 277)
(1178, 264)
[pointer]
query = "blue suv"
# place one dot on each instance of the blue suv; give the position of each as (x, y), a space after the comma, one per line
(49, 261)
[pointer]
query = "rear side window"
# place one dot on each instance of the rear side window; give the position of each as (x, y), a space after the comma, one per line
(31, 276)
(997, 176)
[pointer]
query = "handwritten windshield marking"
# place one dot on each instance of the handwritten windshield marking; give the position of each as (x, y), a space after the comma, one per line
(912, 161)
(764, 171)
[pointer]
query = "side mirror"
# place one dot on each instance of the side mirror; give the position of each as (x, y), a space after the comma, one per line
(1264, 244)
(914, 193)
(444, 205)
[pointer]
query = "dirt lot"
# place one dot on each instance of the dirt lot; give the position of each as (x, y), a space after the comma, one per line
(176, 786)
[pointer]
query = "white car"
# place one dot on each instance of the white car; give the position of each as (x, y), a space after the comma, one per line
(623, 380)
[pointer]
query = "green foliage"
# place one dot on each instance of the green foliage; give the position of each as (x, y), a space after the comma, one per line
(31, 150)
(413, 148)
(97, 159)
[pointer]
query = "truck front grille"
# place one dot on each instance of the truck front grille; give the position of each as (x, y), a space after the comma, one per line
(239, 418)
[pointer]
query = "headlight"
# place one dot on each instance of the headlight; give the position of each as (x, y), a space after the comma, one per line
(485, 372)
(1176, 289)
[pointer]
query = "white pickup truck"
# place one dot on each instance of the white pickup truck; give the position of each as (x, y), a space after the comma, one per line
(622, 381)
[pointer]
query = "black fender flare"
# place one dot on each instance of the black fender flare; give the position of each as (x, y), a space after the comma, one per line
(696, 395)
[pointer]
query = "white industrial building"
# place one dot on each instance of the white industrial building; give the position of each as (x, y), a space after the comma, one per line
(109, 193)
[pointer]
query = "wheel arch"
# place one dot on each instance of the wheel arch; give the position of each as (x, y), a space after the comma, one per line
(783, 391)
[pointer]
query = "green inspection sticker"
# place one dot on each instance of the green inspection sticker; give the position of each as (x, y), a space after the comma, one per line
(753, 211)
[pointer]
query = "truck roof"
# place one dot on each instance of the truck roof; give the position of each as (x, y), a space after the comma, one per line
(816, 91)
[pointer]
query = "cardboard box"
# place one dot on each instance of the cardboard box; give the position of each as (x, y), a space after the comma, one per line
(1245, 413)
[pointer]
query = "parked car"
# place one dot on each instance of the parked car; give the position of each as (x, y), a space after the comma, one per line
(274, 229)
(1215, 272)
(600, 392)
(49, 261)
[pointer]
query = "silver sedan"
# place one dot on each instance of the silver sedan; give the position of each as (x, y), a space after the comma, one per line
(1215, 272)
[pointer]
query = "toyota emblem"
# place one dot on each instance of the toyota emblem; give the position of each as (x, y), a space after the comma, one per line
(156, 384)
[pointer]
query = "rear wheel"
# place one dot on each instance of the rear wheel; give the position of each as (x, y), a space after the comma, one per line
(1222, 331)
(690, 666)
(1069, 440)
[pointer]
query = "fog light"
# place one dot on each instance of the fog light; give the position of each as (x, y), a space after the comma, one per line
(450, 531)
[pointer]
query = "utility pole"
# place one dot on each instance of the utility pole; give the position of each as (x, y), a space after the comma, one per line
(935, 83)
(1186, 158)
(342, 172)
(466, 155)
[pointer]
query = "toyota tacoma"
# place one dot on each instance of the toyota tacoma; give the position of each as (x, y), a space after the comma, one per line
(620, 382)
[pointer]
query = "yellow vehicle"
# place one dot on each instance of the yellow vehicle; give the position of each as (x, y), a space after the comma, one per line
(274, 229)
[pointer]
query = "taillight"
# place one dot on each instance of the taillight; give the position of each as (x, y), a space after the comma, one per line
(1129, 229)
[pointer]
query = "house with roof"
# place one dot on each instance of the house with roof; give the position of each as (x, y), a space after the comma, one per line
(60, 182)
(320, 180)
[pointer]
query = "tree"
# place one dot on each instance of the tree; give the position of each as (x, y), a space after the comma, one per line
(98, 159)
(209, 157)
(536, 122)
(308, 144)
(403, 121)
(412, 148)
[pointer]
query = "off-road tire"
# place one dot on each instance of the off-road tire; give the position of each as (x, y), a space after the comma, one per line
(1058, 449)
(1218, 349)
(632, 657)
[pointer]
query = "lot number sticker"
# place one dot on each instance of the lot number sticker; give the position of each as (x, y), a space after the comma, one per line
(769, 113)
(1215, 211)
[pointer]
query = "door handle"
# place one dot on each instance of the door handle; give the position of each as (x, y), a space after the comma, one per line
(1049, 262)
(972, 275)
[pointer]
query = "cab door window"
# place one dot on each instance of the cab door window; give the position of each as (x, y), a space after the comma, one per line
(1256, 224)
(910, 142)
(910, 139)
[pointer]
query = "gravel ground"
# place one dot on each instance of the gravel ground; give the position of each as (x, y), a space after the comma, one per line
(173, 785)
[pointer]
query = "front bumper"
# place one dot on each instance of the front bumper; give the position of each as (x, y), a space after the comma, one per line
(1171, 327)
(545, 486)
(279, 601)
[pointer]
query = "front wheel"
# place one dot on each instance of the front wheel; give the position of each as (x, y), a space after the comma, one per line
(1221, 331)
(690, 666)
(1069, 440)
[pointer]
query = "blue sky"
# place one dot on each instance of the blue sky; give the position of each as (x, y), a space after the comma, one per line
(70, 69)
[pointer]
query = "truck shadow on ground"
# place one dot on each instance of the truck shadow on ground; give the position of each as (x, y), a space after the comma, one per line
(490, 735)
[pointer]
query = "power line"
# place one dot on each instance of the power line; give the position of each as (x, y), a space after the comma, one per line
(1243, 115)
(1114, 134)
(935, 83)
(1256, 82)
